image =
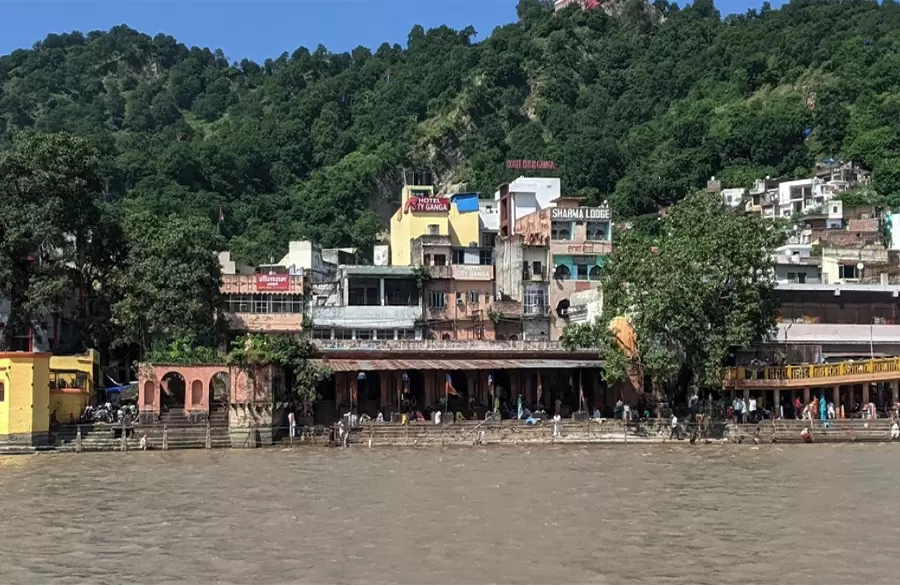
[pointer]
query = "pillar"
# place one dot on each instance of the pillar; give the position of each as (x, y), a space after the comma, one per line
(836, 396)
(381, 291)
(805, 396)
(895, 392)
(746, 396)
(865, 394)
(529, 396)
(776, 406)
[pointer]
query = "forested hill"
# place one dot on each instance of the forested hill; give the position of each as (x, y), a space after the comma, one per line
(639, 108)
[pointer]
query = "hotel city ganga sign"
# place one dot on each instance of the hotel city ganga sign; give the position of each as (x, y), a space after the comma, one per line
(428, 204)
(580, 213)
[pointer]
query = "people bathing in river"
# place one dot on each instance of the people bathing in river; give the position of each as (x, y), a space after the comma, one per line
(144, 444)
(895, 430)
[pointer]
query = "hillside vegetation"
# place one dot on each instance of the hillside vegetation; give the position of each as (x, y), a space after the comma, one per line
(639, 108)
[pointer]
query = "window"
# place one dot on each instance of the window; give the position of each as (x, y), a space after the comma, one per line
(792, 276)
(440, 260)
(597, 231)
(595, 273)
(582, 271)
(848, 271)
(561, 230)
(2, 392)
(437, 300)
(473, 297)
(343, 333)
(801, 278)
(364, 334)
(535, 301)
(434, 229)
(485, 257)
(459, 256)
(264, 303)
(562, 272)
(321, 333)
(407, 334)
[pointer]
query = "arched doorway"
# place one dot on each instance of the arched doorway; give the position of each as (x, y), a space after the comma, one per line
(172, 389)
(219, 392)
(460, 382)
(414, 392)
(368, 392)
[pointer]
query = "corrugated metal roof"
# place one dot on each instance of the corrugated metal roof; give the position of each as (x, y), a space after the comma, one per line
(340, 365)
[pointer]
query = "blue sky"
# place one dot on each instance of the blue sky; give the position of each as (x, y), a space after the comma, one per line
(260, 29)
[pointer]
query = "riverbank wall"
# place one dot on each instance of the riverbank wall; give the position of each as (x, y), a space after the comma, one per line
(832, 431)
(206, 435)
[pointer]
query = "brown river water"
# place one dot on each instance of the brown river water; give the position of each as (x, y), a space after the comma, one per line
(818, 514)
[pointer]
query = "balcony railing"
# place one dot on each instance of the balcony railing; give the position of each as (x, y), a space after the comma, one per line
(814, 372)
(425, 345)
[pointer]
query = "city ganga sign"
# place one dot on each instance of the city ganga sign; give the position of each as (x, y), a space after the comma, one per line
(273, 281)
(428, 204)
(580, 213)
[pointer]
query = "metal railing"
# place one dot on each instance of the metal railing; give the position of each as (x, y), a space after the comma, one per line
(814, 371)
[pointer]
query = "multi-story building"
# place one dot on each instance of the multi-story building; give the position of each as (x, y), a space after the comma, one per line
(262, 300)
(422, 213)
(578, 240)
(522, 197)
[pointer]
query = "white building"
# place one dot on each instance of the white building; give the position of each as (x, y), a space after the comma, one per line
(522, 197)
(794, 264)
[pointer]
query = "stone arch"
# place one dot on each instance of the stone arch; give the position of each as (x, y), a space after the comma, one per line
(446, 337)
(172, 391)
(219, 390)
(514, 337)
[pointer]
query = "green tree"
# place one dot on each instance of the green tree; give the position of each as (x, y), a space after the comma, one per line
(170, 281)
(49, 192)
(699, 289)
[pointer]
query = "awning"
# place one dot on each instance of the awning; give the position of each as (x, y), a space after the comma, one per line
(344, 365)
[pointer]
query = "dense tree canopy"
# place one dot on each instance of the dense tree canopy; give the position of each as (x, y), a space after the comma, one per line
(640, 108)
(701, 287)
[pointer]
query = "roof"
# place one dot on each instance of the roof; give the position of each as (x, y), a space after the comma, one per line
(388, 271)
(350, 365)
(862, 225)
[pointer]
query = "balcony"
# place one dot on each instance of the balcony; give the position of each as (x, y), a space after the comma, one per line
(265, 322)
(287, 284)
(541, 275)
(440, 272)
(367, 317)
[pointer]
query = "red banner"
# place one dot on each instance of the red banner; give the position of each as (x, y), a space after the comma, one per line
(273, 281)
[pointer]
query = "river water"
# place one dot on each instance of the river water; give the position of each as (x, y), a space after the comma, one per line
(818, 514)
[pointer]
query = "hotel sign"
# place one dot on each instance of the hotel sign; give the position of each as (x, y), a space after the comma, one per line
(428, 204)
(472, 272)
(579, 213)
(531, 165)
(269, 282)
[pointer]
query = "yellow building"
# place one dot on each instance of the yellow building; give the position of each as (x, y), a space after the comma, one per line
(72, 380)
(24, 398)
(421, 213)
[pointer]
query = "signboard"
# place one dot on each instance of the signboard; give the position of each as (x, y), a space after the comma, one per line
(579, 213)
(473, 272)
(428, 204)
(531, 165)
(584, 259)
(266, 282)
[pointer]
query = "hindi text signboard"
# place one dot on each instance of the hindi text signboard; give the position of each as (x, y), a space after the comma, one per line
(269, 282)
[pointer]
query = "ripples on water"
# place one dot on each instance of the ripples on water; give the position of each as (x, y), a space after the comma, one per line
(825, 515)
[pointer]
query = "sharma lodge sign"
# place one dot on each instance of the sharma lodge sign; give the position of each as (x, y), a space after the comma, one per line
(579, 213)
(269, 282)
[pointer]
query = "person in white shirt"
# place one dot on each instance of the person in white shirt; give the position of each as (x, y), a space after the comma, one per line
(738, 407)
(292, 423)
(676, 432)
(751, 409)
